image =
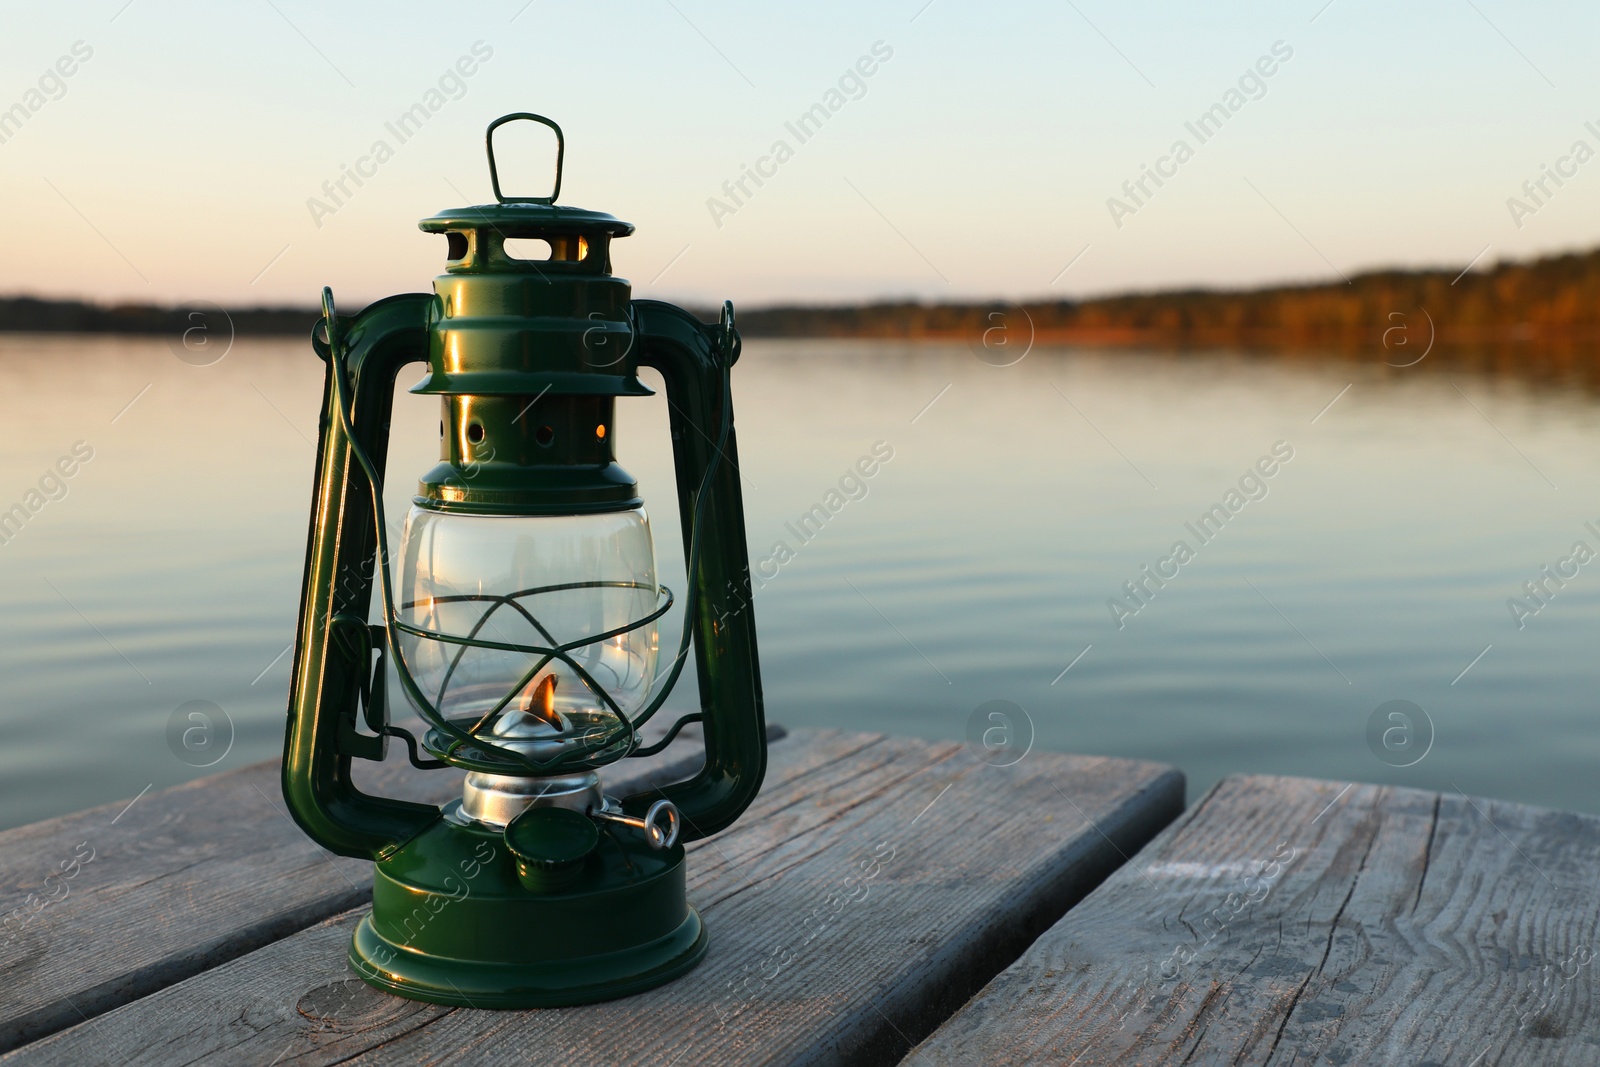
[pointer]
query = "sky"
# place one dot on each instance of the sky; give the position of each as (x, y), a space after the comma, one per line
(969, 150)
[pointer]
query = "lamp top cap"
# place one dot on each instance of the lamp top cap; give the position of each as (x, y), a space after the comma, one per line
(526, 212)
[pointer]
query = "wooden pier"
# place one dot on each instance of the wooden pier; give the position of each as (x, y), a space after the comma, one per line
(884, 900)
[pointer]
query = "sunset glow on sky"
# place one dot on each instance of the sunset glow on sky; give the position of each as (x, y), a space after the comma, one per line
(250, 154)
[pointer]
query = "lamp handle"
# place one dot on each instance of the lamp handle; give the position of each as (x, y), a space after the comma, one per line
(494, 172)
(692, 358)
(340, 552)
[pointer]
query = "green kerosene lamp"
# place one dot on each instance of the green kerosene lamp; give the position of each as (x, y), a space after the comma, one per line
(522, 625)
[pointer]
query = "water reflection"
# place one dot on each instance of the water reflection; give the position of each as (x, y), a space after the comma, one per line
(978, 564)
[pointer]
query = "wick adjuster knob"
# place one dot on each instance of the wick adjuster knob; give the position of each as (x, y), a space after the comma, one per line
(660, 824)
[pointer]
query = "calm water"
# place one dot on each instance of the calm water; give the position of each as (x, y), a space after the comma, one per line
(976, 567)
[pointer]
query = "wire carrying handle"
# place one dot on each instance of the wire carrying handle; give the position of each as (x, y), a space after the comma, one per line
(592, 746)
(494, 173)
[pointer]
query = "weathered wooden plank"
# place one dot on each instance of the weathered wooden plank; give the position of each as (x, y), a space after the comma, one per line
(1289, 921)
(874, 884)
(111, 904)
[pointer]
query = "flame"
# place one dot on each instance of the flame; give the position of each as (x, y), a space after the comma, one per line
(540, 702)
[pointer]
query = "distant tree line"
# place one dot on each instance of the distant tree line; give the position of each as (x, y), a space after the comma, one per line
(1556, 298)
(32, 314)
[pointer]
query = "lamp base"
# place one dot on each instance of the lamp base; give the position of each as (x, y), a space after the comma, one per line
(452, 923)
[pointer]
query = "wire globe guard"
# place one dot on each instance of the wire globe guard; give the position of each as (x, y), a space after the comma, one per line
(591, 747)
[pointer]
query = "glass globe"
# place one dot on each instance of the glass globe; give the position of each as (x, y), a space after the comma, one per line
(543, 580)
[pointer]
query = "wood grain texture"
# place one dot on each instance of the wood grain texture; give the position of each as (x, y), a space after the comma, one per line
(110, 904)
(1289, 921)
(873, 886)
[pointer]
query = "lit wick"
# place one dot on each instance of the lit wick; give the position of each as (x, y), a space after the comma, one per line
(540, 702)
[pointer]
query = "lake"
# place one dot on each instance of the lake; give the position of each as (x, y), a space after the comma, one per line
(1353, 533)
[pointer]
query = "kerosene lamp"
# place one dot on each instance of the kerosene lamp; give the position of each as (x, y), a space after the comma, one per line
(522, 625)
